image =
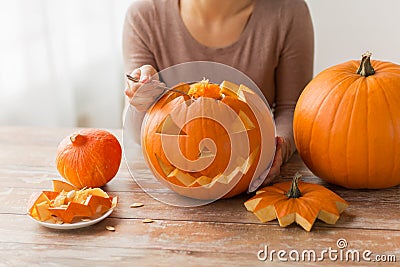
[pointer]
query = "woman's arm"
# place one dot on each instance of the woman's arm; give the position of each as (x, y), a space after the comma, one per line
(294, 71)
(136, 39)
(138, 58)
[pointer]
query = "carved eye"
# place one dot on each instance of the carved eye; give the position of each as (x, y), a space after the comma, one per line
(169, 127)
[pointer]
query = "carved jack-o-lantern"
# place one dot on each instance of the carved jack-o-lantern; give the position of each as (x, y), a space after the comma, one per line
(210, 144)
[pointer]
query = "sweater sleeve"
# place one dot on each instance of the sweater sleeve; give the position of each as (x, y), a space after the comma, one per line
(136, 49)
(136, 39)
(294, 70)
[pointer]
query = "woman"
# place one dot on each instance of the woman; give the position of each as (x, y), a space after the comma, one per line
(271, 41)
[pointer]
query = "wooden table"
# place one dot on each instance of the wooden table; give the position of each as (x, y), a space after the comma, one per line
(218, 234)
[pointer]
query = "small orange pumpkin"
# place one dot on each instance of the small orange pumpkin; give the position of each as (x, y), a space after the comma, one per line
(209, 144)
(347, 124)
(89, 158)
(298, 202)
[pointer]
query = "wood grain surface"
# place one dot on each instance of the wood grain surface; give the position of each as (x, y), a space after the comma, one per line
(222, 233)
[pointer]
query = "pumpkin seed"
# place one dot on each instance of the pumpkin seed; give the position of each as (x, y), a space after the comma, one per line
(147, 221)
(136, 205)
(110, 228)
(71, 194)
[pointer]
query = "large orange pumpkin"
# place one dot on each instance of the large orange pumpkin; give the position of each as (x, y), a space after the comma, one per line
(208, 145)
(89, 158)
(347, 124)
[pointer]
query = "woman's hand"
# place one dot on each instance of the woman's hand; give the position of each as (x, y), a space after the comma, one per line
(276, 164)
(143, 93)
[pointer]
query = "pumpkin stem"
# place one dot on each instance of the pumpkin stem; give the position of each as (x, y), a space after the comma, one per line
(77, 139)
(366, 68)
(294, 191)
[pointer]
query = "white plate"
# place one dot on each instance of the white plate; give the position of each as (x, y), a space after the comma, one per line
(68, 226)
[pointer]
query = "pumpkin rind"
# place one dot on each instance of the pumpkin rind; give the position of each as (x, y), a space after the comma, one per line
(69, 205)
(89, 158)
(347, 126)
(316, 201)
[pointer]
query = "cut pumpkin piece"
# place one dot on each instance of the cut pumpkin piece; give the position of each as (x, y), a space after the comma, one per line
(229, 89)
(34, 199)
(98, 204)
(68, 203)
(97, 192)
(298, 202)
(51, 195)
(71, 211)
(43, 211)
(59, 186)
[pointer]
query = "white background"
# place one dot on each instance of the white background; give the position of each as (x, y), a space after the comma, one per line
(344, 29)
(61, 64)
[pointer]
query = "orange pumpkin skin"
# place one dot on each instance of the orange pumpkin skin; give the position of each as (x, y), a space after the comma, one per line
(298, 202)
(89, 158)
(207, 183)
(347, 126)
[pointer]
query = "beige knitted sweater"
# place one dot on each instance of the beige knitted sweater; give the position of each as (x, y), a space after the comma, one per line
(275, 50)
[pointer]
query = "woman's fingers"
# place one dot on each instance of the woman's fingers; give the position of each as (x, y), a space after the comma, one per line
(279, 142)
(146, 73)
(143, 88)
(276, 164)
(143, 74)
(131, 88)
(136, 74)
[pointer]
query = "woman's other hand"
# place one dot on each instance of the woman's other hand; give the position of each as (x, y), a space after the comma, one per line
(276, 164)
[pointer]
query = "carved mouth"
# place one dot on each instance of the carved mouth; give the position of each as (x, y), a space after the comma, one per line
(182, 178)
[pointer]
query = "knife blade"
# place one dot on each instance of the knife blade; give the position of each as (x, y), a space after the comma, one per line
(166, 89)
